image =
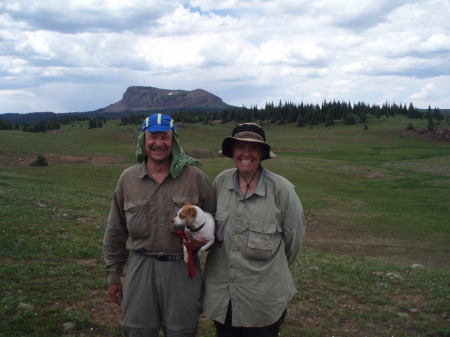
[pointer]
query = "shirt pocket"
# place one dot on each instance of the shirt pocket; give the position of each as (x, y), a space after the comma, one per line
(137, 216)
(262, 240)
(221, 221)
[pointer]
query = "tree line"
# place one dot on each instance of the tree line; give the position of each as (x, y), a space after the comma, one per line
(42, 126)
(308, 114)
(301, 114)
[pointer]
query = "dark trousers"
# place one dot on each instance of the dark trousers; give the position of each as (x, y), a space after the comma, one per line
(227, 330)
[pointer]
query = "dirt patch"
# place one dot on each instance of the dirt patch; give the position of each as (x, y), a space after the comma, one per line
(89, 262)
(436, 135)
(21, 160)
(106, 312)
(362, 172)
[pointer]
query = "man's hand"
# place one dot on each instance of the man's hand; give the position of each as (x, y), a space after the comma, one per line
(115, 293)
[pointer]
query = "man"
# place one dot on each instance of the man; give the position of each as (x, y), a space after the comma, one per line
(158, 291)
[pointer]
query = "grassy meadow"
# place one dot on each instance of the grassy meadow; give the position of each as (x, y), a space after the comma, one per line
(375, 260)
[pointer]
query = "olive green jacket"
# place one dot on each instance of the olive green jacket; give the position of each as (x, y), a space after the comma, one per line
(261, 235)
(142, 210)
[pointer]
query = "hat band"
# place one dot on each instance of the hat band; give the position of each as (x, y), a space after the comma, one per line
(161, 122)
(247, 134)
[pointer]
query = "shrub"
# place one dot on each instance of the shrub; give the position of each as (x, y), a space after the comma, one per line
(40, 161)
(410, 127)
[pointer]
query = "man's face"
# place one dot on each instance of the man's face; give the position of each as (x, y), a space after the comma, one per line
(158, 145)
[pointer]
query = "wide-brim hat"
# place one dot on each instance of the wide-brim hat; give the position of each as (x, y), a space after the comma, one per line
(247, 132)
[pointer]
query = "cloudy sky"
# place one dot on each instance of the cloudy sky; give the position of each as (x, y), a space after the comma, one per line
(81, 55)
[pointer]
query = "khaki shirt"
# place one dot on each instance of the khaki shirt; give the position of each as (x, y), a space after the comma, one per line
(262, 235)
(142, 210)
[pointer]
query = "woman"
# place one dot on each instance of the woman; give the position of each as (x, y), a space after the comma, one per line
(259, 230)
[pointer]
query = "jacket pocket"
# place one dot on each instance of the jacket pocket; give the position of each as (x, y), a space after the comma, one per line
(137, 216)
(262, 240)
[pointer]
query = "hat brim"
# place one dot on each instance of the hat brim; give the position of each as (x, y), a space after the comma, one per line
(228, 144)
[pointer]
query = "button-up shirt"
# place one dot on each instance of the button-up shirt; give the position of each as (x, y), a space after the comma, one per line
(262, 235)
(141, 213)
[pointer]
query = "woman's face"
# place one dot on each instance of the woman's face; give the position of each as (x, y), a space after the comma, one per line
(247, 156)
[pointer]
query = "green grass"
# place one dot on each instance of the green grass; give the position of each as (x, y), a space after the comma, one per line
(383, 182)
(373, 298)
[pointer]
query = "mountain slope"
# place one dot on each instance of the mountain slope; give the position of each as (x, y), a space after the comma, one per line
(138, 98)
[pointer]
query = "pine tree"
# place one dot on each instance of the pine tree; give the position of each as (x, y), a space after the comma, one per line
(431, 124)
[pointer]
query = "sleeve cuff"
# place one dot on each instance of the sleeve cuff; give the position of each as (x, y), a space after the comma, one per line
(113, 278)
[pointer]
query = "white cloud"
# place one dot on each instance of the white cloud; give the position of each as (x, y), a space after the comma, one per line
(247, 52)
(427, 92)
(75, 16)
(436, 43)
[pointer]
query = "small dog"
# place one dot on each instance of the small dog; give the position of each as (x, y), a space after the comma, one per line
(197, 224)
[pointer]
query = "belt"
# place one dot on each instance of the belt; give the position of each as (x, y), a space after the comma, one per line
(163, 257)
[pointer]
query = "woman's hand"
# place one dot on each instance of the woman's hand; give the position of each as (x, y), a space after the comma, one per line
(196, 244)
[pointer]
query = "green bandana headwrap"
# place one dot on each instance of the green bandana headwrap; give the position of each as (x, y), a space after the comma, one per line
(179, 159)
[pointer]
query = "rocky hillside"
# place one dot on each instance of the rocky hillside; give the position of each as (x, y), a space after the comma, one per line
(150, 98)
(135, 100)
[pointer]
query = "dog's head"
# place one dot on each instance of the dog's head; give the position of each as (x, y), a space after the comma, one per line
(186, 215)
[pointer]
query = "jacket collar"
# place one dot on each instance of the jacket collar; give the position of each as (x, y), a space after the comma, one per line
(233, 182)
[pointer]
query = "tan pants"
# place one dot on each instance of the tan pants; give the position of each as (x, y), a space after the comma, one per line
(160, 294)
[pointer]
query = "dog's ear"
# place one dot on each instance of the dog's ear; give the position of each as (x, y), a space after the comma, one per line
(186, 203)
(192, 212)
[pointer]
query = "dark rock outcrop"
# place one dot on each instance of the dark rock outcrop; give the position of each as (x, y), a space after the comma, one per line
(138, 98)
